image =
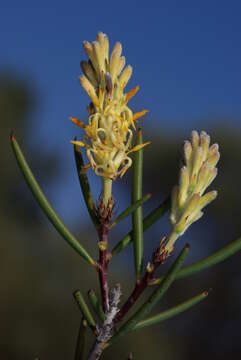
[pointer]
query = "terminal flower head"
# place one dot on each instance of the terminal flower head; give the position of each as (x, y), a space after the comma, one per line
(109, 132)
(197, 173)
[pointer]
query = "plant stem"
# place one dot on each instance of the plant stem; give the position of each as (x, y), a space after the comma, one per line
(154, 298)
(106, 190)
(104, 214)
(105, 331)
(157, 259)
(103, 263)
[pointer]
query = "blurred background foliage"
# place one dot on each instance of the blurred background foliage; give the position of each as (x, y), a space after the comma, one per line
(39, 272)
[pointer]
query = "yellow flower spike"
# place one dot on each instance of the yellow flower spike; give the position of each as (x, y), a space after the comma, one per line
(109, 131)
(139, 114)
(77, 122)
(131, 93)
(196, 175)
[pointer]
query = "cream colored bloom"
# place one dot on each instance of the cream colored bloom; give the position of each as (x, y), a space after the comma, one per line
(109, 132)
(197, 173)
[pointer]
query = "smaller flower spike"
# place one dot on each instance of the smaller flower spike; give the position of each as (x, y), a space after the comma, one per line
(197, 173)
(108, 134)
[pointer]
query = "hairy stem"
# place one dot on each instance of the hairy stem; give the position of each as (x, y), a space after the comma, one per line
(105, 332)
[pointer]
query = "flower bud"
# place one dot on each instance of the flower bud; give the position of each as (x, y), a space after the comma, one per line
(125, 76)
(188, 155)
(195, 176)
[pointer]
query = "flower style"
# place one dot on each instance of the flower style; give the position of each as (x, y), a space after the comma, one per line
(108, 134)
(195, 176)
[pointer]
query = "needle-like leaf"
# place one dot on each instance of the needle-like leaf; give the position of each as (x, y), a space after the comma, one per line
(130, 209)
(209, 261)
(96, 305)
(171, 312)
(137, 220)
(45, 205)
(85, 186)
(84, 309)
(80, 345)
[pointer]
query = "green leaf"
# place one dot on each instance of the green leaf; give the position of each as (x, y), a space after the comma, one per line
(137, 220)
(84, 309)
(45, 205)
(130, 209)
(148, 221)
(171, 312)
(209, 261)
(85, 186)
(156, 296)
(96, 305)
(80, 345)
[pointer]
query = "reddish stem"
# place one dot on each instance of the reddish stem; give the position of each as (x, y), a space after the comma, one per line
(158, 258)
(103, 263)
(138, 290)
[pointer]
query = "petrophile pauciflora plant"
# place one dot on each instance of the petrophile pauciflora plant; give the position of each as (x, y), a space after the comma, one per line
(112, 142)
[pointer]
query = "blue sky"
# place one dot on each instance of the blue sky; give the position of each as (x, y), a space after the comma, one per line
(186, 57)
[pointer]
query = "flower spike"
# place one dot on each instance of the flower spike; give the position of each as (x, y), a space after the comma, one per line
(109, 132)
(195, 176)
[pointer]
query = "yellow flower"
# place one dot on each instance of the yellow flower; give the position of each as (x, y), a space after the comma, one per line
(197, 173)
(109, 132)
